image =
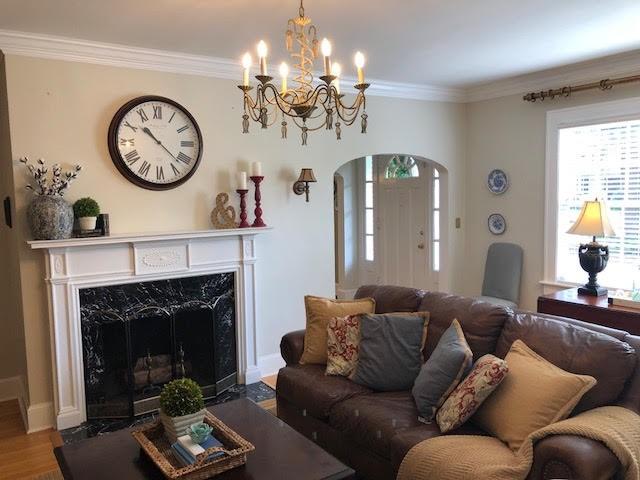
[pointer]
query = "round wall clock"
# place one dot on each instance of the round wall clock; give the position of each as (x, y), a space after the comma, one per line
(155, 142)
(497, 224)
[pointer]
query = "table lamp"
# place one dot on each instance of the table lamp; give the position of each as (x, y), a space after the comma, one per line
(593, 221)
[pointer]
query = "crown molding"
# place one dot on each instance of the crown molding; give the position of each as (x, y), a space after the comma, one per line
(109, 54)
(589, 71)
(76, 50)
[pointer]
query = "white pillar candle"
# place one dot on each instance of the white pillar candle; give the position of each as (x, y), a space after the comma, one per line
(256, 169)
(242, 180)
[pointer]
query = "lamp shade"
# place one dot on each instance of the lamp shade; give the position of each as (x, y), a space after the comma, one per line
(593, 220)
(306, 175)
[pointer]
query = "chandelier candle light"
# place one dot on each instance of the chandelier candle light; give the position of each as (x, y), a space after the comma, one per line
(310, 108)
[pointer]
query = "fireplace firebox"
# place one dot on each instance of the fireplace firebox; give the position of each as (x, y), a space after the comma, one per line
(138, 336)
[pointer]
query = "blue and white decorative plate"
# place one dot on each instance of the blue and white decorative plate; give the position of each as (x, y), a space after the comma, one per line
(497, 181)
(497, 224)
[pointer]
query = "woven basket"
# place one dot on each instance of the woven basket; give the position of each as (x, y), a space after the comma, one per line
(153, 441)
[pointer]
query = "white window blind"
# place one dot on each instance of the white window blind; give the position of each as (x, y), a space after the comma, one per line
(600, 161)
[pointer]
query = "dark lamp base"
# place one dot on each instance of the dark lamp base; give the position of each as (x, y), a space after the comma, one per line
(592, 291)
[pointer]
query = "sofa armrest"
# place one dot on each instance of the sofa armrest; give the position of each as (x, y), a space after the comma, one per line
(572, 457)
(291, 347)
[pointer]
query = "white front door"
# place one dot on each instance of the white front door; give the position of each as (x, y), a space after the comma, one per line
(403, 228)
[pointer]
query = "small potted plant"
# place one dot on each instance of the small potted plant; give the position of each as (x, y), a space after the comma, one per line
(86, 211)
(181, 405)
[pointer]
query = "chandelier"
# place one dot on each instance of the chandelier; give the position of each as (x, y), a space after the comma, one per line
(307, 106)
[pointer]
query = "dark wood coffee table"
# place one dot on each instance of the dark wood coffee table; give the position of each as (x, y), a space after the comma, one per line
(281, 453)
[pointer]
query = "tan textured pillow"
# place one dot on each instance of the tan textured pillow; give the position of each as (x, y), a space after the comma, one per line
(319, 312)
(535, 394)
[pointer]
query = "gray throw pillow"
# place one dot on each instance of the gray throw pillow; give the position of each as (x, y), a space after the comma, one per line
(449, 363)
(390, 350)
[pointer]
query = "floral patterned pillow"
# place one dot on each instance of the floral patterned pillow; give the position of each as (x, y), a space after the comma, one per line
(342, 346)
(485, 376)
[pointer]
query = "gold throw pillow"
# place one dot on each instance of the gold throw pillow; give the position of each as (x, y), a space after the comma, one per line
(319, 312)
(533, 395)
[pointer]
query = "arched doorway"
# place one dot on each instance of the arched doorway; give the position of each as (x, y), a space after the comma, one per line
(389, 210)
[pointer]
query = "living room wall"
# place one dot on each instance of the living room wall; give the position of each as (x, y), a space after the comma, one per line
(12, 361)
(510, 134)
(61, 111)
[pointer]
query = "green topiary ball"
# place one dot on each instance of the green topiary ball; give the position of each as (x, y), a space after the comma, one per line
(181, 397)
(86, 207)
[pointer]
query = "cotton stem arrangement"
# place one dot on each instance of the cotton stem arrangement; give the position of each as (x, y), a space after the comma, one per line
(56, 184)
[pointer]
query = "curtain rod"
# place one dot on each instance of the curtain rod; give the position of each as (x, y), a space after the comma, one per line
(606, 84)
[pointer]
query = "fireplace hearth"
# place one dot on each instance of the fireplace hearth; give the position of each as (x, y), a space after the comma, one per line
(138, 336)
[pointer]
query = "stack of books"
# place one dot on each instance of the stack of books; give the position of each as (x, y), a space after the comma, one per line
(186, 450)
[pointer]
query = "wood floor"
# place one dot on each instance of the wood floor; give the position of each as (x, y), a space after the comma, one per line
(25, 456)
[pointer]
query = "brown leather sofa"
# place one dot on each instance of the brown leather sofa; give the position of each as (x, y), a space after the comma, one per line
(372, 431)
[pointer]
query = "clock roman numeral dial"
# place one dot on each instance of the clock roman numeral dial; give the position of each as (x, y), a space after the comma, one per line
(144, 168)
(132, 157)
(184, 158)
(155, 143)
(143, 115)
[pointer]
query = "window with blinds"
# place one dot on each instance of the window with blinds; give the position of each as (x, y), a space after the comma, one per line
(600, 161)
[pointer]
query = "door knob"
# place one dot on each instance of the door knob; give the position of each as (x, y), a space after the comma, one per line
(421, 246)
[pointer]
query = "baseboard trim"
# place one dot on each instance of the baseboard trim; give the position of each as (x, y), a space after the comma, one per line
(13, 388)
(10, 388)
(39, 417)
(270, 364)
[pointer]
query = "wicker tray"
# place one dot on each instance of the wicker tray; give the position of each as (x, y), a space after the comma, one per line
(152, 440)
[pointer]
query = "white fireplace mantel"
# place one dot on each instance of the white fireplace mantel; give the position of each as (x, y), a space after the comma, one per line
(78, 263)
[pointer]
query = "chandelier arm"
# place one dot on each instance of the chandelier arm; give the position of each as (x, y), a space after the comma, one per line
(279, 101)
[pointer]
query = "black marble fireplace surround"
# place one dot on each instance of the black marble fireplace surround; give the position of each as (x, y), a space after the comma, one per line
(136, 337)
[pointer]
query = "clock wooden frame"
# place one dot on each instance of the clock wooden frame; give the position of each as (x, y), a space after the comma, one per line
(120, 163)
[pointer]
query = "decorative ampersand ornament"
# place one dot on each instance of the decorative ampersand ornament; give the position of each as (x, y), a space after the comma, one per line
(223, 216)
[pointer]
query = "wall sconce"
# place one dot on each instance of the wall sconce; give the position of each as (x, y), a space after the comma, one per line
(302, 185)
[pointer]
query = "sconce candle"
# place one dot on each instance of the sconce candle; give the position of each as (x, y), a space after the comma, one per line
(284, 72)
(326, 53)
(359, 60)
(262, 55)
(246, 65)
(336, 70)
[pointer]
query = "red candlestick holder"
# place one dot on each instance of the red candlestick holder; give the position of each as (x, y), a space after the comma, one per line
(258, 211)
(243, 208)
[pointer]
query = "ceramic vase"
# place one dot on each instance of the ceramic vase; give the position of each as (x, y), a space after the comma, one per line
(175, 427)
(50, 218)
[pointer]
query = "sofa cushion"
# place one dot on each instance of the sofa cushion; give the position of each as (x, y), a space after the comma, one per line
(481, 322)
(536, 393)
(372, 420)
(485, 376)
(574, 349)
(392, 299)
(390, 350)
(307, 387)
(442, 372)
(319, 312)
